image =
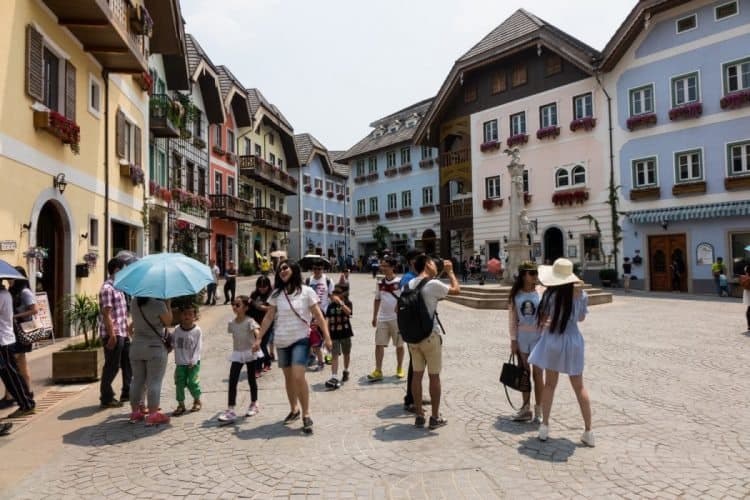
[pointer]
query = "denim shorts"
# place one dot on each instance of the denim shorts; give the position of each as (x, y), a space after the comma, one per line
(295, 354)
(527, 341)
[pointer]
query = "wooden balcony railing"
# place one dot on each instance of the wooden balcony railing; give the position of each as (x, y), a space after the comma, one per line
(271, 219)
(256, 168)
(162, 116)
(457, 209)
(224, 206)
(455, 157)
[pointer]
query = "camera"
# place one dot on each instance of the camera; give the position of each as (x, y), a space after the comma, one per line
(438, 264)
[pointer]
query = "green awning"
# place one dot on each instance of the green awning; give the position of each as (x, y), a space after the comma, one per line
(690, 212)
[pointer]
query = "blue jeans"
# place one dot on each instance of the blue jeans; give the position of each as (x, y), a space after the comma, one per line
(295, 354)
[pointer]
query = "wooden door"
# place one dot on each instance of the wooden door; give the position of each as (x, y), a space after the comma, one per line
(666, 254)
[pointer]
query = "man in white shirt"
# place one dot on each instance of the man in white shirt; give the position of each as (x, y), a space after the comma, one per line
(323, 287)
(211, 288)
(384, 320)
(11, 377)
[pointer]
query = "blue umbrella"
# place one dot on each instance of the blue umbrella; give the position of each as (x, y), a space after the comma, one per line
(747, 248)
(163, 276)
(9, 272)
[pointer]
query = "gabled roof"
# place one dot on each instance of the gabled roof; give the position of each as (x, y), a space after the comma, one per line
(259, 105)
(196, 55)
(522, 30)
(234, 95)
(341, 169)
(308, 146)
(376, 140)
(203, 72)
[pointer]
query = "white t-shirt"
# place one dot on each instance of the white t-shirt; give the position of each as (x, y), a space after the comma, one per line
(216, 272)
(432, 292)
(383, 289)
(6, 318)
(289, 328)
(324, 288)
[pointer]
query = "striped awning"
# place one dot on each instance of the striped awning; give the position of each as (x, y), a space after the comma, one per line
(690, 212)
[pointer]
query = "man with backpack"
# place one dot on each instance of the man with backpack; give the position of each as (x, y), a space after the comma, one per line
(384, 320)
(420, 328)
(323, 287)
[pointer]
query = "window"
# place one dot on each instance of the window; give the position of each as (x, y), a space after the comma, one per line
(642, 100)
(329, 186)
(372, 165)
(392, 202)
(198, 125)
(307, 215)
(552, 65)
(405, 199)
(270, 139)
(258, 197)
(318, 216)
(190, 177)
(390, 159)
(258, 151)
(726, 10)
(739, 257)
(470, 93)
(644, 173)
(280, 163)
(492, 187)
(217, 135)
(272, 159)
(95, 96)
(281, 204)
(329, 219)
(360, 169)
(499, 83)
(218, 183)
(93, 232)
(525, 181)
(689, 166)
(339, 188)
(426, 152)
(737, 75)
(562, 179)
(305, 180)
(548, 115)
(583, 106)
(177, 171)
(361, 207)
(127, 137)
(490, 131)
(519, 75)
(685, 89)
(318, 183)
(158, 166)
(687, 23)
(405, 156)
(339, 220)
(427, 196)
(230, 141)
(518, 123)
(248, 147)
(201, 181)
(374, 205)
(51, 72)
(579, 175)
(230, 185)
(592, 248)
(739, 158)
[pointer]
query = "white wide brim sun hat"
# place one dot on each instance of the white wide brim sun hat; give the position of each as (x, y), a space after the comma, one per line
(559, 273)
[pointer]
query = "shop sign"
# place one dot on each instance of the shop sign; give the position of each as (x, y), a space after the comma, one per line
(704, 254)
(8, 245)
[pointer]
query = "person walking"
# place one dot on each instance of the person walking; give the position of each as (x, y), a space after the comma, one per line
(211, 288)
(384, 320)
(24, 309)
(524, 334)
(258, 308)
(428, 354)
(230, 285)
(411, 257)
(188, 342)
(113, 331)
(717, 269)
(338, 316)
(746, 298)
(561, 347)
(627, 269)
(292, 306)
(9, 373)
(148, 357)
(323, 287)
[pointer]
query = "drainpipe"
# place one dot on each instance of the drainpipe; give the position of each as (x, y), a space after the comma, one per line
(612, 187)
(105, 77)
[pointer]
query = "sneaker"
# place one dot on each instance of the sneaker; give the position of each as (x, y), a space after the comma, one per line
(228, 416)
(543, 432)
(537, 414)
(293, 415)
(419, 421)
(328, 358)
(258, 373)
(112, 404)
(437, 422)
(345, 376)
(307, 424)
(400, 373)
(180, 410)
(157, 419)
(135, 417)
(5, 428)
(20, 413)
(375, 376)
(252, 410)
(6, 403)
(321, 365)
(333, 383)
(523, 415)
(588, 438)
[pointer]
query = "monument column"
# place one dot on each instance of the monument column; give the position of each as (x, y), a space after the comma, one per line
(518, 246)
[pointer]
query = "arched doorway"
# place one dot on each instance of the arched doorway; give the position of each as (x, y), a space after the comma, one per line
(50, 234)
(429, 239)
(553, 244)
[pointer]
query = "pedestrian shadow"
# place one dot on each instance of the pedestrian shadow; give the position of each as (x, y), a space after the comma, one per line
(509, 426)
(321, 387)
(552, 450)
(268, 431)
(114, 430)
(393, 411)
(364, 382)
(401, 432)
(83, 412)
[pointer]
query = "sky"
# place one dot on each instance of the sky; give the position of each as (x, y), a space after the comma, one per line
(334, 66)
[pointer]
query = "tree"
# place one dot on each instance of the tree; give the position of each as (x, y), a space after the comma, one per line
(380, 234)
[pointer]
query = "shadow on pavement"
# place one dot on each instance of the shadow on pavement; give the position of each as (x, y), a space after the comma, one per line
(114, 430)
(401, 432)
(83, 412)
(389, 380)
(552, 450)
(393, 411)
(270, 431)
(507, 425)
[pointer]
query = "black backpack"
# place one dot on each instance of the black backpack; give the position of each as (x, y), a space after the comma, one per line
(414, 320)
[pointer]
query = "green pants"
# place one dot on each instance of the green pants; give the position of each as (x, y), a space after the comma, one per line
(185, 376)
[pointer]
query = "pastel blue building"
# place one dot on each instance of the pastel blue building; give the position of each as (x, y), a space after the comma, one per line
(394, 184)
(319, 214)
(680, 75)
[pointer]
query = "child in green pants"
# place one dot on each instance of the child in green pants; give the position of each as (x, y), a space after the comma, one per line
(187, 357)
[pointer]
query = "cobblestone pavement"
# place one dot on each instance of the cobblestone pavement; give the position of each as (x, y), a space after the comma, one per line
(668, 379)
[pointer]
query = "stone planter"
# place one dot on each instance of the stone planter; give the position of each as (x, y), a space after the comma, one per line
(77, 366)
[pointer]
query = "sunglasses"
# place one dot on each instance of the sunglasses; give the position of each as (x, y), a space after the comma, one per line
(532, 273)
(283, 268)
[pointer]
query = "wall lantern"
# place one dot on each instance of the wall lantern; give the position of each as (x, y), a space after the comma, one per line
(60, 183)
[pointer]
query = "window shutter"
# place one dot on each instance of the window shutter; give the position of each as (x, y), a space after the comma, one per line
(120, 134)
(70, 91)
(34, 63)
(137, 145)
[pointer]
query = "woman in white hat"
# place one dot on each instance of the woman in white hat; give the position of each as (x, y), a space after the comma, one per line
(560, 350)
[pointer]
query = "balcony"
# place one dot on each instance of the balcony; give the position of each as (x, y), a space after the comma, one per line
(163, 116)
(273, 219)
(255, 168)
(224, 206)
(115, 32)
(459, 157)
(456, 210)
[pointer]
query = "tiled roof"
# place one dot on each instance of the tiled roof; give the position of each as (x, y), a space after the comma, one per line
(227, 80)
(195, 53)
(339, 168)
(376, 141)
(306, 144)
(256, 99)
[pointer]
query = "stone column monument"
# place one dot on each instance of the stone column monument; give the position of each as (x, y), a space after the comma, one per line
(518, 246)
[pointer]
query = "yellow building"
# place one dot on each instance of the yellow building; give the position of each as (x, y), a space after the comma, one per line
(73, 130)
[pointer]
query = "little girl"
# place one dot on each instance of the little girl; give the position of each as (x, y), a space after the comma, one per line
(244, 332)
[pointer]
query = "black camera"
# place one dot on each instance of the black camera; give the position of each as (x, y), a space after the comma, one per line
(438, 264)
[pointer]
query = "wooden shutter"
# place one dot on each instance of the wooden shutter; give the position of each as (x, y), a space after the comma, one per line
(137, 145)
(120, 134)
(70, 91)
(34, 63)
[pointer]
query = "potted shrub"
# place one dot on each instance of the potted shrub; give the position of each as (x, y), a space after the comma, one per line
(608, 276)
(83, 361)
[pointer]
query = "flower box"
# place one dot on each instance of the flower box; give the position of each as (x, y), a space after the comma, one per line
(319, 226)
(489, 146)
(340, 196)
(426, 163)
(137, 175)
(692, 110)
(308, 224)
(578, 196)
(199, 143)
(489, 204)
(405, 168)
(735, 100)
(736, 182)
(427, 209)
(153, 188)
(307, 188)
(124, 170)
(526, 198)
(360, 179)
(144, 81)
(331, 227)
(340, 229)
(647, 193)
(166, 195)
(360, 218)
(515, 140)
(216, 149)
(586, 123)
(372, 177)
(639, 121)
(689, 188)
(319, 191)
(393, 214)
(545, 132)
(373, 217)
(230, 158)
(329, 194)
(390, 172)
(406, 212)
(64, 129)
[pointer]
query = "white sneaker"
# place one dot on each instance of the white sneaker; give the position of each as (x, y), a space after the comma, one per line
(537, 414)
(588, 438)
(543, 432)
(522, 415)
(228, 416)
(252, 410)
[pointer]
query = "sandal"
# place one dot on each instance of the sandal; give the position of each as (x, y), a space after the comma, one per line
(180, 410)
(196, 406)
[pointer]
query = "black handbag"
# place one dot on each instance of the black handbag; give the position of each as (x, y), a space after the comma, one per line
(515, 376)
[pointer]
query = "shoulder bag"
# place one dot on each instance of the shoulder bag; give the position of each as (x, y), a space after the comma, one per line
(29, 331)
(515, 376)
(165, 337)
(316, 339)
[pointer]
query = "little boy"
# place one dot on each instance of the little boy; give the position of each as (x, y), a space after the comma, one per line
(338, 313)
(723, 285)
(187, 356)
